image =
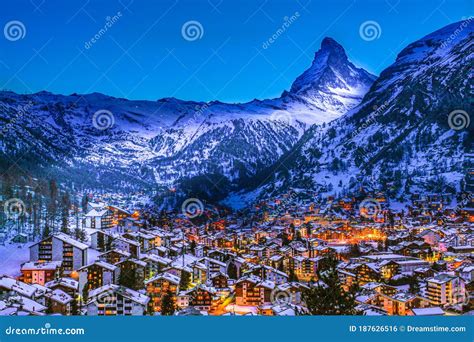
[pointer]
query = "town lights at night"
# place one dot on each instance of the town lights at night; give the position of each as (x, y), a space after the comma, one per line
(306, 164)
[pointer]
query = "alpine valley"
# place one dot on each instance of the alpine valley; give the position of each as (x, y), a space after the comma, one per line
(336, 128)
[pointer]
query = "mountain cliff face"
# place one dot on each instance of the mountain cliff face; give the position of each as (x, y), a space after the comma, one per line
(410, 133)
(101, 141)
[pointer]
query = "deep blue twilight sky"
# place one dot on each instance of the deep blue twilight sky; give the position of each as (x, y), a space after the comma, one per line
(144, 55)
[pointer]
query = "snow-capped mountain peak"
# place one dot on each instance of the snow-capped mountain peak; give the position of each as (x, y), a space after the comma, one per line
(332, 81)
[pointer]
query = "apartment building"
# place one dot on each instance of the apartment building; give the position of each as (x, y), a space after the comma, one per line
(60, 247)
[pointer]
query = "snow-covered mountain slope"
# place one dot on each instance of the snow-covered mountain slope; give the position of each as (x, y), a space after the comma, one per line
(407, 134)
(99, 140)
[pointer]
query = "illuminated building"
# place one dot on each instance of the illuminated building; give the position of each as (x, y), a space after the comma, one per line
(60, 247)
(158, 286)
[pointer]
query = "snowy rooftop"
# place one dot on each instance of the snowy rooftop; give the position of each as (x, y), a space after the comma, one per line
(34, 265)
(119, 290)
(69, 240)
(102, 264)
(434, 311)
(66, 282)
(60, 296)
(97, 213)
(17, 286)
(165, 276)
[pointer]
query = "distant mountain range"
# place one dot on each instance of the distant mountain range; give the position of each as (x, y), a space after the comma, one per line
(338, 125)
